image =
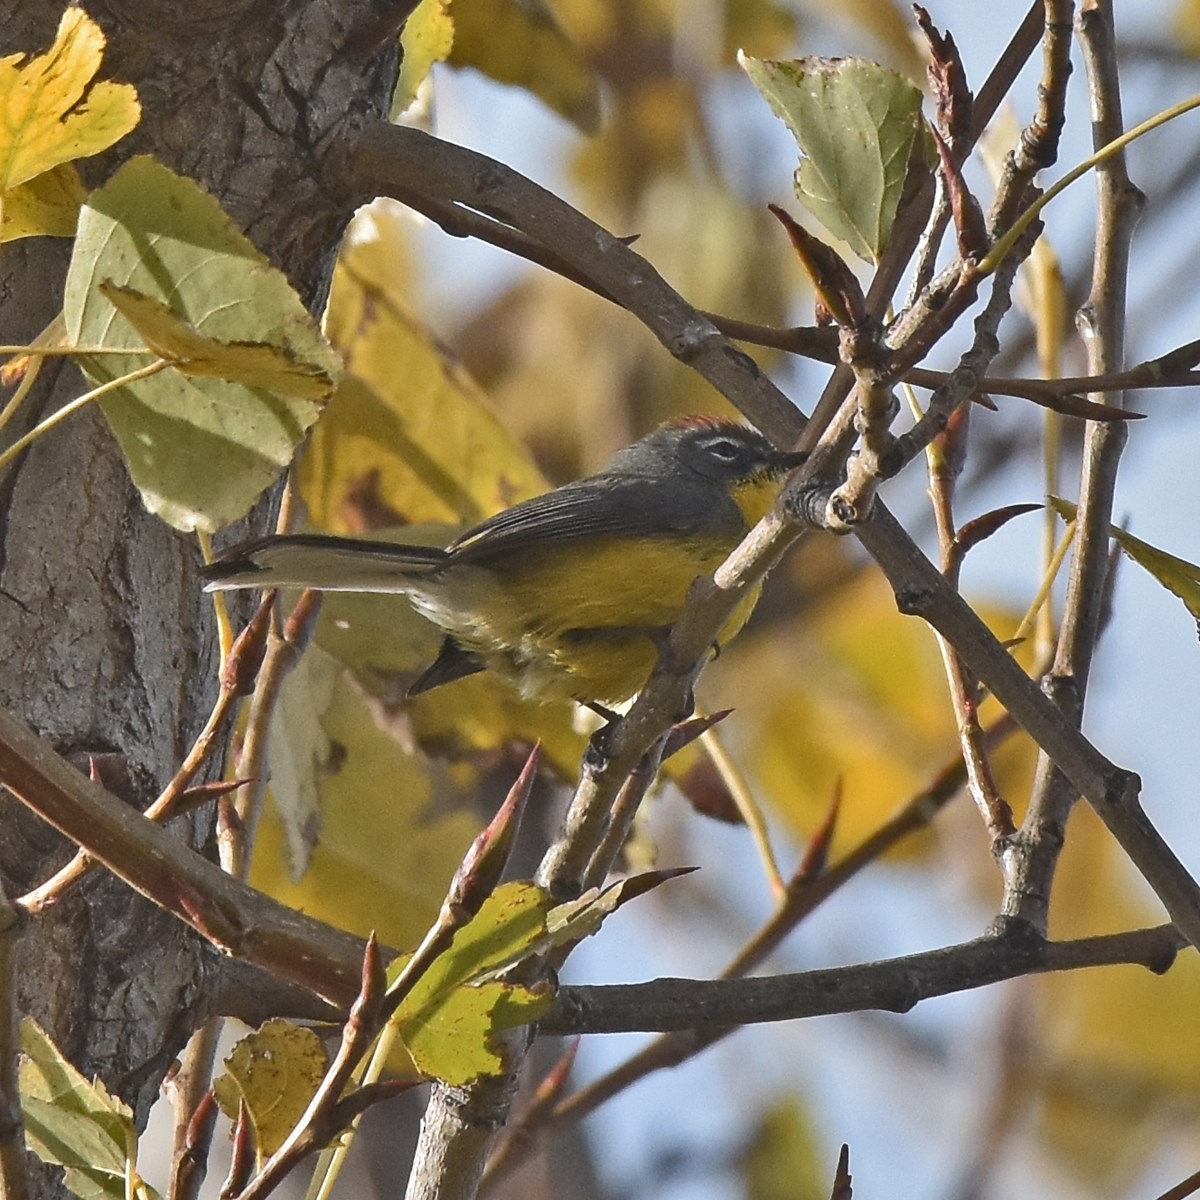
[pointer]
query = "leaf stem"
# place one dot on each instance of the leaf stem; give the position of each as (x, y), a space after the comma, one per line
(72, 351)
(1013, 234)
(751, 813)
(220, 608)
(22, 443)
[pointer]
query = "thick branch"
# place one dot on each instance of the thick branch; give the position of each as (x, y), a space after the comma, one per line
(921, 590)
(1034, 852)
(231, 915)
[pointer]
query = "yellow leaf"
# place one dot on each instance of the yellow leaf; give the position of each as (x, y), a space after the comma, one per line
(47, 206)
(274, 368)
(426, 39)
(409, 435)
(276, 1070)
(391, 827)
(520, 42)
(45, 118)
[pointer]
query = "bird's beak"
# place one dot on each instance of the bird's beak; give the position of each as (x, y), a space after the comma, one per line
(787, 460)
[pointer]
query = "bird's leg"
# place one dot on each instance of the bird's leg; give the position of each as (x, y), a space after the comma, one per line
(596, 757)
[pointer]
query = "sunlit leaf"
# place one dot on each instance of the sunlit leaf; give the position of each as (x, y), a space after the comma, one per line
(76, 1124)
(276, 1071)
(50, 110)
(46, 206)
(519, 42)
(450, 1020)
(425, 39)
(457, 1041)
(1177, 575)
(275, 369)
(162, 235)
(855, 123)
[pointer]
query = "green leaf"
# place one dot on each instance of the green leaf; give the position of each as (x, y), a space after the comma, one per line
(425, 39)
(456, 1041)
(276, 1071)
(50, 110)
(519, 42)
(574, 920)
(1177, 575)
(76, 1124)
(450, 1020)
(166, 238)
(855, 123)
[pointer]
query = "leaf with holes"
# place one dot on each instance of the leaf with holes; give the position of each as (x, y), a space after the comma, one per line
(276, 1071)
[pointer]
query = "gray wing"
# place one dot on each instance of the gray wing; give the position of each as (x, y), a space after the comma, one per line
(595, 507)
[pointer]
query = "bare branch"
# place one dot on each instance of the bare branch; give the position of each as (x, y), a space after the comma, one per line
(1034, 853)
(231, 915)
(895, 985)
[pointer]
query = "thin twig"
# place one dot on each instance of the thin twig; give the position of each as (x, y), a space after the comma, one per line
(1037, 147)
(964, 689)
(73, 406)
(748, 808)
(803, 896)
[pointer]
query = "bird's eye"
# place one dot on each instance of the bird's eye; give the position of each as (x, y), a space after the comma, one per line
(724, 449)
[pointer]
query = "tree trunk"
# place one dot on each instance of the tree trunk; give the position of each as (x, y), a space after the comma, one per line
(106, 643)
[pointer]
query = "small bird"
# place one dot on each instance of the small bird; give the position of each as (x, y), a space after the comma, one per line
(568, 595)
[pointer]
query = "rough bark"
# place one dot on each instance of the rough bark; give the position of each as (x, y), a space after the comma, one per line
(106, 643)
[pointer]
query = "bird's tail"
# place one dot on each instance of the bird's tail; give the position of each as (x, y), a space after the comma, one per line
(334, 564)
